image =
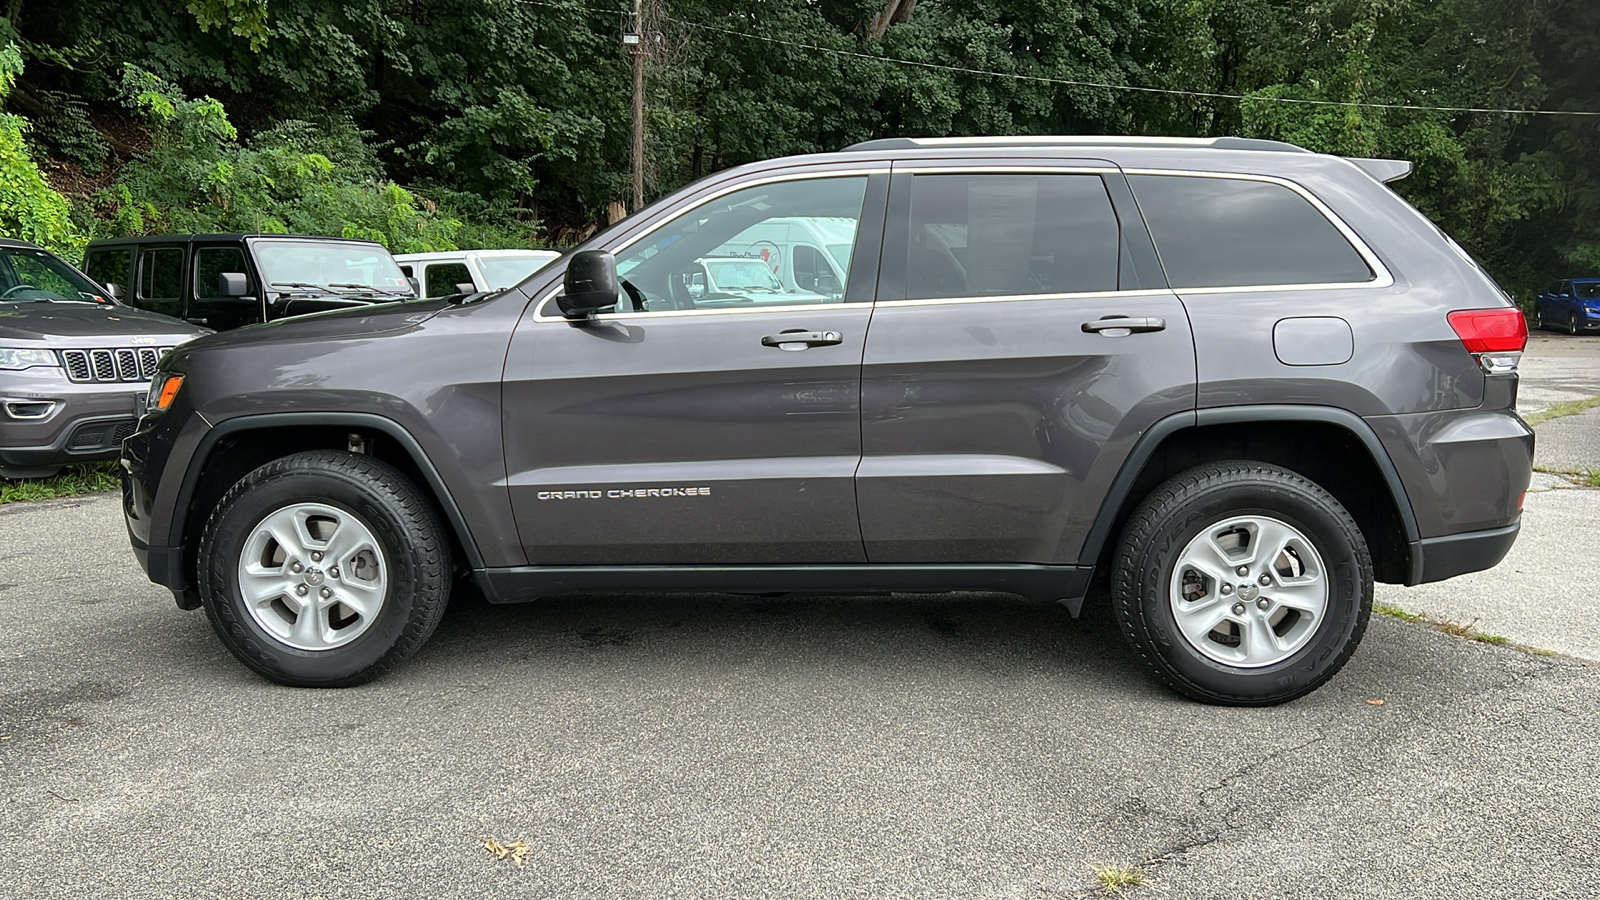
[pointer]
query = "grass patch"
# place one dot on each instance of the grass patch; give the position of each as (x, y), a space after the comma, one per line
(1115, 879)
(1569, 408)
(84, 479)
(1457, 629)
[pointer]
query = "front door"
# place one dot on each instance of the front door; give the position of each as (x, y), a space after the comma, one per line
(207, 304)
(692, 425)
(1021, 344)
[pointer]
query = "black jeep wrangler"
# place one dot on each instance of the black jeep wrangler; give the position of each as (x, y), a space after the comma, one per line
(224, 281)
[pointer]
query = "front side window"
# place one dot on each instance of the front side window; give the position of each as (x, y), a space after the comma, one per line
(442, 279)
(314, 265)
(1233, 232)
(509, 271)
(37, 275)
(732, 251)
(1010, 234)
(209, 262)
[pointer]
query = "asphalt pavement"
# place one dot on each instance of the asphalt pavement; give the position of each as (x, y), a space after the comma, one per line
(959, 745)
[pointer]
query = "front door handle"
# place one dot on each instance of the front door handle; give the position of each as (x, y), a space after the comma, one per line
(801, 340)
(1122, 326)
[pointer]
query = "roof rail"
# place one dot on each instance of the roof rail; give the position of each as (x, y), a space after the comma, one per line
(1085, 140)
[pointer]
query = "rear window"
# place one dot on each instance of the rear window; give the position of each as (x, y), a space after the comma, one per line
(1230, 232)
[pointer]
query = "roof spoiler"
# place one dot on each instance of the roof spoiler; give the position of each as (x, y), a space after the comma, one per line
(1385, 170)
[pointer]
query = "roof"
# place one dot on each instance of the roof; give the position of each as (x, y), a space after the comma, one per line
(455, 255)
(1109, 140)
(221, 238)
(16, 244)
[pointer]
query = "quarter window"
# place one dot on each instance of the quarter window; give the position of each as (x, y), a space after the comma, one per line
(1231, 232)
(752, 244)
(996, 235)
(443, 277)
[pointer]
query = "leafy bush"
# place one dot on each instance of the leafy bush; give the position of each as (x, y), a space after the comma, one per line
(29, 208)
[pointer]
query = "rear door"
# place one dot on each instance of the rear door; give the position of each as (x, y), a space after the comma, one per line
(1022, 342)
(160, 279)
(695, 426)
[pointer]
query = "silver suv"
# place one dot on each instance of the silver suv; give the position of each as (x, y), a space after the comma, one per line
(74, 364)
(1235, 380)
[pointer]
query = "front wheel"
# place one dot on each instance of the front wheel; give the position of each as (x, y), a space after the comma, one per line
(324, 569)
(1243, 583)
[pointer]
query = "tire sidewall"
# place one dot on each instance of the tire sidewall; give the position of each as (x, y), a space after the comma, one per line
(238, 518)
(1348, 595)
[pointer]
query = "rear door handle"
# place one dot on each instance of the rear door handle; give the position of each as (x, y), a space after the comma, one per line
(801, 340)
(1121, 326)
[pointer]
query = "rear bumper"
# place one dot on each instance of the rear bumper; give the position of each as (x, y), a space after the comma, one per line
(1435, 559)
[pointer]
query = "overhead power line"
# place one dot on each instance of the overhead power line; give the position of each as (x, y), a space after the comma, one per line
(1069, 82)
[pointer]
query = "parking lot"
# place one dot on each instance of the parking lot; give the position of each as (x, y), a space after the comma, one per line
(959, 745)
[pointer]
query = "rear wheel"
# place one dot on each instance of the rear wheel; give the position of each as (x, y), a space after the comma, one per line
(1538, 317)
(1243, 583)
(324, 569)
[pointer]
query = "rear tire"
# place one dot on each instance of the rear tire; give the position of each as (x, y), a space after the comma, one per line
(1284, 626)
(1538, 317)
(324, 569)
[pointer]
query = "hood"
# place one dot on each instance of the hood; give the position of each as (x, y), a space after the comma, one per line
(36, 320)
(358, 321)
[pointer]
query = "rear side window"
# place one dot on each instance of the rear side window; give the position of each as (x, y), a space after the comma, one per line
(161, 274)
(109, 266)
(997, 235)
(1229, 232)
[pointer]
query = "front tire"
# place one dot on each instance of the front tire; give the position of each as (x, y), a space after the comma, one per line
(324, 569)
(1242, 584)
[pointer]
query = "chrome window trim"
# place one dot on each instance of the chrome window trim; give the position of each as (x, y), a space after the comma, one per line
(966, 167)
(540, 313)
(1382, 277)
(1010, 298)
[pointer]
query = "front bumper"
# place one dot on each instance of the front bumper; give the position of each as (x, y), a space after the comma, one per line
(84, 423)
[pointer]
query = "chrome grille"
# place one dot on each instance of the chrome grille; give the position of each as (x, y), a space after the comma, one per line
(115, 365)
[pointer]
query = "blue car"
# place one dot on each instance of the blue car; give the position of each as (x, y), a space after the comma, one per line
(1573, 304)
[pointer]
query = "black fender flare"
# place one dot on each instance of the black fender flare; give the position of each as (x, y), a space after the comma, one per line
(1111, 506)
(364, 421)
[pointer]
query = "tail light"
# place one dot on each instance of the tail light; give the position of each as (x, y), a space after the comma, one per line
(1494, 337)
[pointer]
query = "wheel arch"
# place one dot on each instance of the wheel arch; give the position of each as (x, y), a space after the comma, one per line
(262, 438)
(1333, 447)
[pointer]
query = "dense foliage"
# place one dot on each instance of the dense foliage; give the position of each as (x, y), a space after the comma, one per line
(507, 121)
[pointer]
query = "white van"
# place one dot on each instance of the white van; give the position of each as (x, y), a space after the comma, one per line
(487, 270)
(808, 254)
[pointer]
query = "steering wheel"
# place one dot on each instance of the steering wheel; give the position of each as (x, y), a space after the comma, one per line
(20, 287)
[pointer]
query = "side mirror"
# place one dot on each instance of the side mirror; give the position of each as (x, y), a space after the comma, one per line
(465, 288)
(589, 285)
(232, 284)
(416, 286)
(113, 290)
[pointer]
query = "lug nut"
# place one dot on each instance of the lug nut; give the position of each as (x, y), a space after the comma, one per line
(1265, 580)
(316, 556)
(333, 572)
(1263, 603)
(1243, 570)
(296, 567)
(326, 593)
(1227, 589)
(1238, 609)
(300, 589)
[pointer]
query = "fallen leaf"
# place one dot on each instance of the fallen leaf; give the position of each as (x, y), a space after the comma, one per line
(518, 849)
(1376, 701)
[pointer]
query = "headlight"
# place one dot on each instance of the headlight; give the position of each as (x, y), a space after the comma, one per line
(163, 390)
(26, 357)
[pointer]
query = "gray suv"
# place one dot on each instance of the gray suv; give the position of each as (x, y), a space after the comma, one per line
(75, 365)
(1238, 380)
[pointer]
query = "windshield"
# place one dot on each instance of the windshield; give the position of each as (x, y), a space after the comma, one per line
(28, 274)
(742, 275)
(1586, 289)
(508, 271)
(288, 264)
